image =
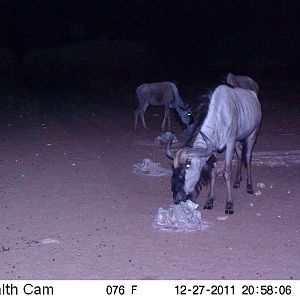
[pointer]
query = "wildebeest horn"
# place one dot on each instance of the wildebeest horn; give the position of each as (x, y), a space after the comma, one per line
(168, 151)
(208, 142)
(198, 152)
(202, 152)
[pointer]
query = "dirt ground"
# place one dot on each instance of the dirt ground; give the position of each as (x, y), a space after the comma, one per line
(72, 207)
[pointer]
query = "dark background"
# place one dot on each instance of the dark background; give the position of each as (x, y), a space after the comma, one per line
(112, 46)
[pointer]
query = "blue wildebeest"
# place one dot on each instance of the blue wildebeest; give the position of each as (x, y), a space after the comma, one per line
(244, 82)
(161, 93)
(230, 118)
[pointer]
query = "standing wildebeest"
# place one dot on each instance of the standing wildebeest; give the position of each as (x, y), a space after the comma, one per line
(244, 82)
(230, 118)
(161, 93)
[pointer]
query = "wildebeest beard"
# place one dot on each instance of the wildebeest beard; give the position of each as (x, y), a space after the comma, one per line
(178, 180)
(177, 184)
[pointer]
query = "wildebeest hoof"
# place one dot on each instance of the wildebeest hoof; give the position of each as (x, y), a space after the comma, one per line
(209, 204)
(229, 209)
(190, 197)
(250, 189)
(236, 185)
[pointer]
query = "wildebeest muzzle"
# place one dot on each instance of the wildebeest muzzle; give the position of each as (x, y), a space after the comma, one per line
(179, 197)
(177, 185)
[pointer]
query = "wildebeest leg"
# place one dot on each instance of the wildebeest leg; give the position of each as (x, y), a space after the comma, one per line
(167, 116)
(238, 178)
(227, 175)
(250, 141)
(142, 114)
(136, 116)
(210, 199)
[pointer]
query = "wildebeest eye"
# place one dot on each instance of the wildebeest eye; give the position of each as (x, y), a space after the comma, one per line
(189, 114)
(187, 165)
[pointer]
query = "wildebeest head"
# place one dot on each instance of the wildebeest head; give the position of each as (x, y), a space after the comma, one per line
(186, 116)
(191, 169)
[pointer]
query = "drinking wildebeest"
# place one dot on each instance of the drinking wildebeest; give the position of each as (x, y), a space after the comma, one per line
(161, 93)
(230, 118)
(244, 82)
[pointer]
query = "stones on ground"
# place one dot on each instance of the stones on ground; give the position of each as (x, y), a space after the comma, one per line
(258, 193)
(164, 138)
(261, 185)
(50, 241)
(149, 168)
(223, 218)
(182, 217)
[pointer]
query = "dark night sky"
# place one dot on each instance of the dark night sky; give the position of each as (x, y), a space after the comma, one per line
(174, 29)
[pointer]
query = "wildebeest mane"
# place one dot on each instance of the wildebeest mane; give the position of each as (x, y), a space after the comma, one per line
(224, 80)
(200, 115)
(205, 175)
(228, 84)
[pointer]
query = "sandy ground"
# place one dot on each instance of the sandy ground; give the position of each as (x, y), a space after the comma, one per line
(72, 207)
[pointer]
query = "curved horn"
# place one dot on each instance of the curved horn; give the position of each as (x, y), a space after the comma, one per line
(202, 152)
(209, 145)
(197, 152)
(169, 151)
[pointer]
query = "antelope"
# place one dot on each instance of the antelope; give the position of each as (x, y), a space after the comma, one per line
(230, 120)
(161, 93)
